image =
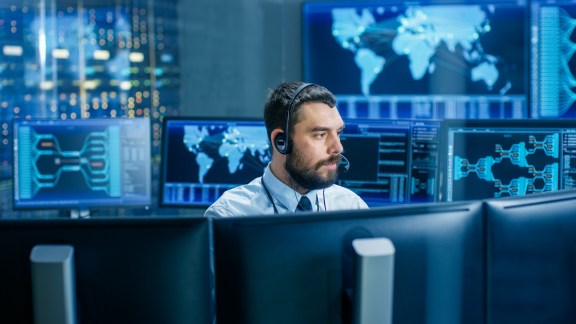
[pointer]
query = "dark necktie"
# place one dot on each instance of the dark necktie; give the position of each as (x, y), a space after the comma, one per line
(304, 204)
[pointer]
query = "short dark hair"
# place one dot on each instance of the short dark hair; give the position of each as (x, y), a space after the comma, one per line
(276, 106)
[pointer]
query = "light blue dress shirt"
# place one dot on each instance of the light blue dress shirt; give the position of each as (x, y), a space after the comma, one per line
(251, 199)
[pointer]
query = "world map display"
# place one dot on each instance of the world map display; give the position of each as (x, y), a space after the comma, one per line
(445, 49)
(231, 144)
(202, 158)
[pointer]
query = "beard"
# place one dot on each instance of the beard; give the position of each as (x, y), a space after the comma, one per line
(310, 178)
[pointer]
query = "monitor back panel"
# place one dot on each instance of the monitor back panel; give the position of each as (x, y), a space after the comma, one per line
(126, 270)
(298, 269)
(532, 258)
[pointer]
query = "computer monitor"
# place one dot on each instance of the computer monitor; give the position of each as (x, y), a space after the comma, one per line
(81, 163)
(420, 59)
(551, 55)
(296, 269)
(391, 161)
(127, 270)
(202, 158)
(532, 258)
(499, 158)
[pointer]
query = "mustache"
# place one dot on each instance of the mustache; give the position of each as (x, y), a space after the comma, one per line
(335, 159)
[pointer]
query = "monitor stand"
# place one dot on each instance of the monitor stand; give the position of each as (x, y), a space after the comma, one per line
(53, 284)
(374, 280)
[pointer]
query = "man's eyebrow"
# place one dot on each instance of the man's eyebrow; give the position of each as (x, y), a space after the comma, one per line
(325, 128)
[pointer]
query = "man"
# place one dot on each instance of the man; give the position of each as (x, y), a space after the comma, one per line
(304, 128)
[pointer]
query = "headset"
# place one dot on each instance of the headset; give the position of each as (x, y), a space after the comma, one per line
(282, 140)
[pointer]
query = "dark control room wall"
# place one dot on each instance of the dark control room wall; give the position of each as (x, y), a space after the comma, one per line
(233, 51)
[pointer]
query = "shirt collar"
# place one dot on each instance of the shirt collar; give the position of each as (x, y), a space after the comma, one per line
(285, 195)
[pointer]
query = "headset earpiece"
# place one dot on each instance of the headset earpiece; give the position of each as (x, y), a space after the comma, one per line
(280, 143)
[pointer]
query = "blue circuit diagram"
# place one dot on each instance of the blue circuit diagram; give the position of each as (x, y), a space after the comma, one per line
(42, 161)
(538, 179)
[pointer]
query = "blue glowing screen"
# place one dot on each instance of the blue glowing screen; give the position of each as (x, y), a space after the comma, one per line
(81, 163)
(491, 159)
(416, 60)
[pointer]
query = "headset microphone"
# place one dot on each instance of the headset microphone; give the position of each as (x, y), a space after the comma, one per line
(344, 163)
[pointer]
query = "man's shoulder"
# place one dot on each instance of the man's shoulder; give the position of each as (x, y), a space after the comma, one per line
(236, 201)
(344, 198)
(243, 192)
(339, 190)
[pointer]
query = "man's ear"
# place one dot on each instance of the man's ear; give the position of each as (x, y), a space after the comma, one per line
(279, 140)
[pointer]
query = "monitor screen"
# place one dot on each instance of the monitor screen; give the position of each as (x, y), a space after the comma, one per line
(202, 158)
(137, 270)
(81, 163)
(288, 269)
(391, 161)
(420, 60)
(532, 258)
(552, 59)
(498, 158)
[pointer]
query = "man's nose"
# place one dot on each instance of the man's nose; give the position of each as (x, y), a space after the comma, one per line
(336, 145)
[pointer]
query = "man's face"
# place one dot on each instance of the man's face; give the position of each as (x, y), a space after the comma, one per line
(313, 163)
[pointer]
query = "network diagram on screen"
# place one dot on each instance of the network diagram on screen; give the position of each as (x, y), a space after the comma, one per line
(497, 162)
(81, 163)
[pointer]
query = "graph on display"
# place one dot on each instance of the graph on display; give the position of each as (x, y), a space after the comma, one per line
(420, 60)
(553, 55)
(81, 163)
(202, 158)
(495, 160)
(391, 161)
